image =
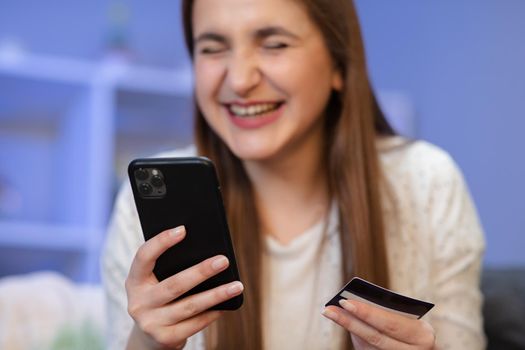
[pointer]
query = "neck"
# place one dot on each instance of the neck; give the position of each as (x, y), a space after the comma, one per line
(291, 190)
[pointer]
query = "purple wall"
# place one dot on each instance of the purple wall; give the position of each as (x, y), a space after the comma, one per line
(463, 64)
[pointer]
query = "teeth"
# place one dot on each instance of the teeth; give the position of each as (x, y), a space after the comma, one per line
(253, 110)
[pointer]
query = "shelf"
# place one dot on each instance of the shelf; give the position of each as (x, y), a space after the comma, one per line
(73, 109)
(48, 237)
(26, 173)
(153, 80)
(50, 68)
(68, 128)
(112, 72)
(139, 114)
(28, 247)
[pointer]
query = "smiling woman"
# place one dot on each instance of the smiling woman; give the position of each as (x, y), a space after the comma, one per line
(254, 79)
(317, 188)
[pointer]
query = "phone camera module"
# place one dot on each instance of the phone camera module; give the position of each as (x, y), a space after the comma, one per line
(150, 182)
(141, 174)
(145, 188)
(156, 181)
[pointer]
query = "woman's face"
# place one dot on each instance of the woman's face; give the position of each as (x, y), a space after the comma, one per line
(263, 75)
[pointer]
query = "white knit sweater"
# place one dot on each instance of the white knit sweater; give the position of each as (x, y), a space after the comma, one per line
(435, 246)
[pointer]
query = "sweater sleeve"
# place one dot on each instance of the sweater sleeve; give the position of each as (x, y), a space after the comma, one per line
(123, 239)
(457, 255)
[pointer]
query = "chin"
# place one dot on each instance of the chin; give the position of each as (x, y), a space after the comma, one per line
(253, 154)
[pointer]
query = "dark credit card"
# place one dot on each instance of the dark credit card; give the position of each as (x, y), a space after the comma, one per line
(364, 291)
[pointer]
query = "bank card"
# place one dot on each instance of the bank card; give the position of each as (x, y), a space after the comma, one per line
(364, 291)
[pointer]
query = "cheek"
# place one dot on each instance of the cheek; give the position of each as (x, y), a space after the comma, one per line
(309, 91)
(207, 81)
(310, 80)
(207, 84)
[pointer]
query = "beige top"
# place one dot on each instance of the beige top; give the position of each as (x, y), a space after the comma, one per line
(435, 246)
(302, 276)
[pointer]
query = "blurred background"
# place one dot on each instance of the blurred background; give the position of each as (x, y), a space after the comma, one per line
(87, 86)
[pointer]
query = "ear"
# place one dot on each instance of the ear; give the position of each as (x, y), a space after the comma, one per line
(337, 80)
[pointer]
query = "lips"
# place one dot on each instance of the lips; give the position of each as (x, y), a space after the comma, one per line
(255, 114)
(253, 109)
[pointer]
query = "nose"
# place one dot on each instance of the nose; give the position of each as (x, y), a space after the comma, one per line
(243, 73)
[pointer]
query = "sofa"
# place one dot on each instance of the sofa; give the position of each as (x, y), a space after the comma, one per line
(504, 308)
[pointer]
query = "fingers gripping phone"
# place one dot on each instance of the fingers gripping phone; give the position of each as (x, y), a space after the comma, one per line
(170, 192)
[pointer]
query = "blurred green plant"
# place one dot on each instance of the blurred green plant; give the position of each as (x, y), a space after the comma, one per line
(85, 337)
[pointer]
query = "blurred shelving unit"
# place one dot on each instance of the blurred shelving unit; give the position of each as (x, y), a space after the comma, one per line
(84, 88)
(66, 127)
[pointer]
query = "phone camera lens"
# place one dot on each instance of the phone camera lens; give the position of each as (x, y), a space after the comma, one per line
(145, 188)
(141, 174)
(157, 181)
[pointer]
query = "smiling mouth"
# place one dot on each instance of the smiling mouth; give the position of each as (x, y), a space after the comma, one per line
(253, 110)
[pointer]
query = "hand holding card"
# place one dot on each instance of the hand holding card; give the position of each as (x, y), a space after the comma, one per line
(364, 291)
(378, 318)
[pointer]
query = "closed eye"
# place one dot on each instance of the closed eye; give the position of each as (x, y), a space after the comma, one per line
(210, 50)
(276, 38)
(275, 45)
(209, 43)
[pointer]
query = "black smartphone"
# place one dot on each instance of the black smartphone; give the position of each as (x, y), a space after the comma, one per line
(170, 192)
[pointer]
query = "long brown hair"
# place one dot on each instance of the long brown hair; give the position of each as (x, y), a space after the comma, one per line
(353, 123)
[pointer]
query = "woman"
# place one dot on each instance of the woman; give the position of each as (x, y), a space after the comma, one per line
(317, 189)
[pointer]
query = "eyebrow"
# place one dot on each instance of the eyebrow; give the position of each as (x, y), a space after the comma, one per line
(209, 36)
(274, 30)
(259, 34)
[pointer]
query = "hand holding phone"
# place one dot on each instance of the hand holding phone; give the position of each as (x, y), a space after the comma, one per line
(172, 192)
(186, 269)
(160, 322)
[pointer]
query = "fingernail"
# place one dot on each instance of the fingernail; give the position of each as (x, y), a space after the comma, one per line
(348, 306)
(330, 314)
(178, 232)
(235, 288)
(219, 263)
